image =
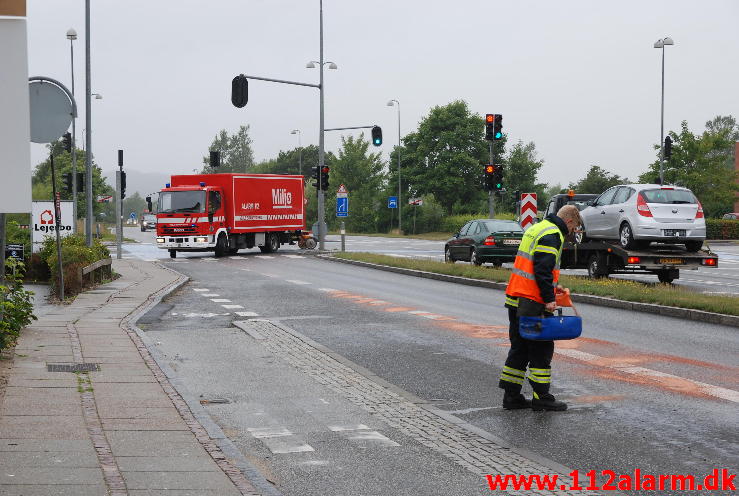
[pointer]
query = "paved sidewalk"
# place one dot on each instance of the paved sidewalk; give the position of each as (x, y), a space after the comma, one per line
(88, 412)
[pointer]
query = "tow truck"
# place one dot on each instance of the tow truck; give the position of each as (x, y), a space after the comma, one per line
(602, 258)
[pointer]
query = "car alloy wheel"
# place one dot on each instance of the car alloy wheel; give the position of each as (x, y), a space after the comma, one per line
(626, 237)
(473, 258)
(448, 255)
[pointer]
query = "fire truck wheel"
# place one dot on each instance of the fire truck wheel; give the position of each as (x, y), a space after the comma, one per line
(310, 243)
(172, 253)
(221, 245)
(273, 242)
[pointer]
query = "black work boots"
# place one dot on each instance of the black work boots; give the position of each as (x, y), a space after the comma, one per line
(545, 401)
(515, 401)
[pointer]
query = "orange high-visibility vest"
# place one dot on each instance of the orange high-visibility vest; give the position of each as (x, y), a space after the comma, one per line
(522, 282)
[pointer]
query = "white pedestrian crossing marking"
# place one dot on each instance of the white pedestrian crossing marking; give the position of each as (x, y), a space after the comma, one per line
(209, 294)
(264, 256)
(202, 290)
(247, 314)
(220, 300)
(295, 281)
(231, 307)
(294, 256)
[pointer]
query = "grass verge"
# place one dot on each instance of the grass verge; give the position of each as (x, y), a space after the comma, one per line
(660, 294)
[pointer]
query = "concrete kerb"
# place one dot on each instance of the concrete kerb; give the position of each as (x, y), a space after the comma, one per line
(683, 313)
(229, 450)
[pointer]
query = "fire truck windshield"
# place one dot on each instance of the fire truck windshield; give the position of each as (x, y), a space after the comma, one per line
(181, 201)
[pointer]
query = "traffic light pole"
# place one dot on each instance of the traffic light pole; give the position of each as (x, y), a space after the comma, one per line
(491, 193)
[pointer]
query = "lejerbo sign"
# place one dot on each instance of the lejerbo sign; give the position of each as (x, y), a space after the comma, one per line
(43, 222)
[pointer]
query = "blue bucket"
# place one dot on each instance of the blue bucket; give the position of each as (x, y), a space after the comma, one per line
(550, 328)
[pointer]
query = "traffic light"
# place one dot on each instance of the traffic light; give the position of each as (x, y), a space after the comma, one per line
(67, 142)
(377, 135)
(239, 91)
(498, 127)
(498, 178)
(489, 175)
(324, 177)
(123, 184)
(489, 127)
(68, 182)
(668, 148)
(215, 159)
(80, 182)
(314, 174)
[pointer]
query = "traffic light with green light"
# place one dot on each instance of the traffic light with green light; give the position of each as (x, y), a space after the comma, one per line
(377, 135)
(498, 127)
(498, 178)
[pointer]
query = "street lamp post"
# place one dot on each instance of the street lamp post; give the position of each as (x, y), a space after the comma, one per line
(88, 125)
(71, 36)
(300, 151)
(661, 44)
(321, 153)
(391, 103)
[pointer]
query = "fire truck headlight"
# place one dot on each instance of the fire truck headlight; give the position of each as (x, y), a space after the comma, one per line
(160, 240)
(201, 240)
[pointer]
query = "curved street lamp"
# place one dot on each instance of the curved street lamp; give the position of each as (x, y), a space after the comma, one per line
(300, 150)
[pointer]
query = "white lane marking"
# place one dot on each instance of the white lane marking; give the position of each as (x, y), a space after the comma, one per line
(220, 300)
(293, 256)
(269, 275)
(470, 410)
(209, 294)
(352, 427)
(201, 289)
(715, 391)
(150, 259)
(373, 436)
(247, 314)
(280, 445)
(246, 270)
(204, 315)
(419, 312)
(265, 432)
(264, 256)
(327, 290)
(295, 281)
(236, 258)
(231, 307)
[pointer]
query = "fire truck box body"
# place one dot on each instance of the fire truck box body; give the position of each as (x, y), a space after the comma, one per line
(228, 212)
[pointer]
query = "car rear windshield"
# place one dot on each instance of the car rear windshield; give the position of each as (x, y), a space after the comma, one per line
(668, 196)
(493, 226)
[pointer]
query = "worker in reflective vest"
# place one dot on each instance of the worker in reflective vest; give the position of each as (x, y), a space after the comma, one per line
(530, 292)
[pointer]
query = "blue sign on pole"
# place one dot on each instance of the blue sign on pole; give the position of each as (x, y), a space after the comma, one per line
(342, 206)
(133, 216)
(392, 202)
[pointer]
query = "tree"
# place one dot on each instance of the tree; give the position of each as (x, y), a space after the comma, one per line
(134, 203)
(289, 162)
(41, 180)
(444, 158)
(363, 175)
(236, 152)
(520, 171)
(704, 163)
(596, 181)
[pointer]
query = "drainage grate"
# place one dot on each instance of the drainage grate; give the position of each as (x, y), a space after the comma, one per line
(73, 367)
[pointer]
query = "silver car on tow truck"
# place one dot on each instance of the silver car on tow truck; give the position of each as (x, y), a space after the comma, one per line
(638, 214)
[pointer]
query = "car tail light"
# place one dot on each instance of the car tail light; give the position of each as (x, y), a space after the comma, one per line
(711, 262)
(489, 241)
(699, 213)
(633, 260)
(642, 207)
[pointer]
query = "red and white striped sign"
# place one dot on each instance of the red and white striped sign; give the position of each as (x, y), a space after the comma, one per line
(528, 209)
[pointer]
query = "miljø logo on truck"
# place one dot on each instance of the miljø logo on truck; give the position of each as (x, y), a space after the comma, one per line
(281, 198)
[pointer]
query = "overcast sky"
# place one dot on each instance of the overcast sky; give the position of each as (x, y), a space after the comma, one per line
(581, 79)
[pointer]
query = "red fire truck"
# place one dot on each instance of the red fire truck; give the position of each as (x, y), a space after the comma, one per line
(227, 212)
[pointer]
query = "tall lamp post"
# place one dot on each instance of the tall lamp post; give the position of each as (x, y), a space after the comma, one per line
(88, 125)
(71, 36)
(321, 152)
(661, 43)
(396, 103)
(300, 150)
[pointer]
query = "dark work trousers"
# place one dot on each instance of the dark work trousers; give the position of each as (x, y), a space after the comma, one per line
(536, 355)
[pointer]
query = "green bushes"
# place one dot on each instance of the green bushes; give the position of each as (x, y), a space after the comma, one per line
(454, 223)
(16, 306)
(75, 254)
(722, 229)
